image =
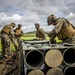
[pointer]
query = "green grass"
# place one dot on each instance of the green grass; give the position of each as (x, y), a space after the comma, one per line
(47, 38)
(28, 36)
(12, 47)
(31, 36)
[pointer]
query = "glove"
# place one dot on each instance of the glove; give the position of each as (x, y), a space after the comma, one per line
(48, 34)
(53, 41)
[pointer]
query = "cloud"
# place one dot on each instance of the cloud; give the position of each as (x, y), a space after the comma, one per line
(26, 20)
(71, 16)
(13, 18)
(27, 12)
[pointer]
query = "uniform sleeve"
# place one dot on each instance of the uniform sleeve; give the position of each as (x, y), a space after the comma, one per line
(36, 34)
(22, 32)
(42, 32)
(52, 35)
(56, 30)
(58, 26)
(11, 30)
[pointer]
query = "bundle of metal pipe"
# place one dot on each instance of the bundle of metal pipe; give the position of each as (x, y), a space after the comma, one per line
(34, 59)
(53, 58)
(69, 56)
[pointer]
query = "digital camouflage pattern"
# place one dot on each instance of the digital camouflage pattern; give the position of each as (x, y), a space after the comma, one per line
(40, 34)
(7, 34)
(64, 30)
(18, 33)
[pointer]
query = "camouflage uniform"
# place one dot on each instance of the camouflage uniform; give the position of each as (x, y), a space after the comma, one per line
(64, 30)
(40, 35)
(6, 34)
(18, 34)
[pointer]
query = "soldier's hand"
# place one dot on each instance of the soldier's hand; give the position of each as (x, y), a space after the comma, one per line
(53, 41)
(48, 33)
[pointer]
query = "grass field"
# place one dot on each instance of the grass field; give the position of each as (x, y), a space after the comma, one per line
(29, 36)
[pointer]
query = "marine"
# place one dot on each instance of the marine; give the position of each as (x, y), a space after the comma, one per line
(64, 30)
(18, 33)
(40, 34)
(7, 35)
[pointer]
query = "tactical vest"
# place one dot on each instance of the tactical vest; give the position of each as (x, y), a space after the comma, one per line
(18, 31)
(6, 29)
(67, 32)
(39, 33)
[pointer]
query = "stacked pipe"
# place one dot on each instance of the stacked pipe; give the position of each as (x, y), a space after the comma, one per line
(34, 60)
(69, 60)
(53, 61)
(53, 58)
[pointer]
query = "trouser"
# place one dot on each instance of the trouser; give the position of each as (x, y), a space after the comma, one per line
(5, 42)
(18, 41)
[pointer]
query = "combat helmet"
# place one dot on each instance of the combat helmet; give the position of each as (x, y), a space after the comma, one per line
(12, 24)
(37, 25)
(19, 25)
(52, 18)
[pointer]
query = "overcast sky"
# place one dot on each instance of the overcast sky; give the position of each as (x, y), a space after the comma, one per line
(28, 12)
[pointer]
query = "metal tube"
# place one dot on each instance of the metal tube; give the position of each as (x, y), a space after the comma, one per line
(35, 72)
(69, 70)
(69, 56)
(54, 71)
(53, 58)
(34, 59)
